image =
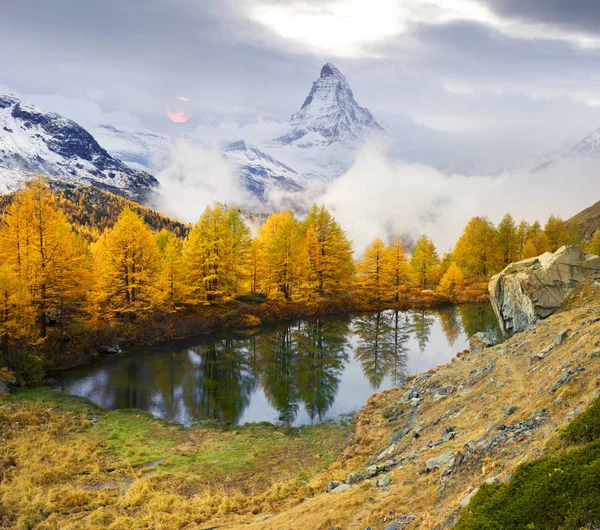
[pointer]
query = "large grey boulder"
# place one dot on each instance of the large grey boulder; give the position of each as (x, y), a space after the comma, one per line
(533, 289)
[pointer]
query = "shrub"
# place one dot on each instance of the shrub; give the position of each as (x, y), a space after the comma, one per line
(256, 298)
(28, 366)
(586, 427)
(557, 491)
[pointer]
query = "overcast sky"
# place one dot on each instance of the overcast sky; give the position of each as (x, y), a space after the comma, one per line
(506, 77)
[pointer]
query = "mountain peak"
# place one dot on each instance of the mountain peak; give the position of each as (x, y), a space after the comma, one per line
(330, 70)
(331, 111)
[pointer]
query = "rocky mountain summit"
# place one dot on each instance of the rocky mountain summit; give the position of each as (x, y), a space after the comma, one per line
(36, 141)
(332, 114)
(533, 289)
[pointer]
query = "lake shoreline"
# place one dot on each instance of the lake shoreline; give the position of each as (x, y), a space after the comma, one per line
(240, 316)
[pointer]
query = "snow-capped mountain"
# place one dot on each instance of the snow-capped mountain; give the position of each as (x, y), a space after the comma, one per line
(589, 147)
(259, 170)
(327, 130)
(36, 141)
(321, 142)
(331, 112)
(586, 149)
(152, 152)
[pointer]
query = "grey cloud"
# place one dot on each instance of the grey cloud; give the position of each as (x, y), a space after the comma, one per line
(140, 52)
(576, 15)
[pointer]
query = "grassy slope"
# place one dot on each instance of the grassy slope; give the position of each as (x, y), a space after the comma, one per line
(478, 409)
(588, 220)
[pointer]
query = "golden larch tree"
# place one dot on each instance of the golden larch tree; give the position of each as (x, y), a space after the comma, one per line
(452, 282)
(395, 270)
(477, 252)
(128, 264)
(424, 263)
(40, 246)
(329, 253)
(370, 275)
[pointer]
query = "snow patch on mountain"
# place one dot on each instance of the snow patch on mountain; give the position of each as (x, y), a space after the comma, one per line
(36, 141)
(586, 149)
(150, 151)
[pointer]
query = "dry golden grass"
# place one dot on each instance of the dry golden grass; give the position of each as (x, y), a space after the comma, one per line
(129, 470)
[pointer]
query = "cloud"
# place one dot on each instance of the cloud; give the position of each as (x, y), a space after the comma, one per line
(582, 16)
(381, 198)
(197, 176)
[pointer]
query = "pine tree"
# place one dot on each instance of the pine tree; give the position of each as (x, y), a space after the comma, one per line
(128, 265)
(424, 263)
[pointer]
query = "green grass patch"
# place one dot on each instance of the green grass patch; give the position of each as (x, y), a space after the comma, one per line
(207, 451)
(55, 398)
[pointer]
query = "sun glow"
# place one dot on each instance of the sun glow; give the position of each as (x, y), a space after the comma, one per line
(177, 110)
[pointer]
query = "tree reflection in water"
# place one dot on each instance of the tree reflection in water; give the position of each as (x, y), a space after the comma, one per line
(382, 345)
(303, 363)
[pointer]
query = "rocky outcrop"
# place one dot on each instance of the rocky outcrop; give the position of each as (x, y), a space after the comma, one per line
(533, 289)
(7, 382)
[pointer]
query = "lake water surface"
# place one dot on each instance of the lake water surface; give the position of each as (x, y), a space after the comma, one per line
(295, 373)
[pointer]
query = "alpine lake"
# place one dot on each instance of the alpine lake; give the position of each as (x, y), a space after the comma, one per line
(296, 373)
